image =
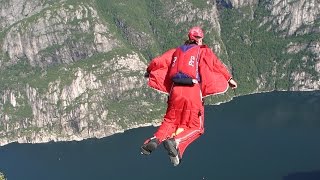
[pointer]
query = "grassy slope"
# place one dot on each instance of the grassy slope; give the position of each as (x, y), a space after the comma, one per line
(252, 51)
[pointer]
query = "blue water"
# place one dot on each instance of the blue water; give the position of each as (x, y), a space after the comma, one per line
(271, 136)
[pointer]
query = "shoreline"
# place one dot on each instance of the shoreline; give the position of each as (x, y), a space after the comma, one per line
(49, 138)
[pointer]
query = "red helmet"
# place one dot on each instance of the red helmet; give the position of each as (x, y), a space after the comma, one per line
(195, 33)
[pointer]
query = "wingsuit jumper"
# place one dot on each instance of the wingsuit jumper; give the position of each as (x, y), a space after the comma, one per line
(187, 74)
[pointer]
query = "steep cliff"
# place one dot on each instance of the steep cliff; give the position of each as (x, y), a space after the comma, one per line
(58, 34)
(299, 20)
(71, 70)
(277, 40)
(65, 75)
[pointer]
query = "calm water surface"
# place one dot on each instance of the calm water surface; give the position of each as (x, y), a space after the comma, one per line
(271, 136)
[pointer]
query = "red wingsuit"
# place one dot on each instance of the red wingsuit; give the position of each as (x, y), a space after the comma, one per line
(185, 103)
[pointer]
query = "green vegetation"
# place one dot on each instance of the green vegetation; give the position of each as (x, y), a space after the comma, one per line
(148, 16)
(23, 73)
(127, 19)
(136, 111)
(201, 4)
(23, 111)
(132, 13)
(148, 27)
(255, 52)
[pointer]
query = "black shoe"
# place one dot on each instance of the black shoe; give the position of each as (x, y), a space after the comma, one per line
(171, 146)
(149, 146)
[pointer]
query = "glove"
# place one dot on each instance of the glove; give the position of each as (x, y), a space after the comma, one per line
(233, 84)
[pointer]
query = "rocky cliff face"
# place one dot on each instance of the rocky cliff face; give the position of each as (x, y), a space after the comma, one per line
(242, 3)
(295, 17)
(45, 35)
(73, 70)
(15, 10)
(298, 18)
(74, 111)
(58, 34)
(306, 80)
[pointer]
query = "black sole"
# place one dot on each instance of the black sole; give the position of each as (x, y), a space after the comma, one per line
(144, 152)
(170, 147)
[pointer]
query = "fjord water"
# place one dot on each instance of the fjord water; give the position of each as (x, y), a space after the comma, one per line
(269, 136)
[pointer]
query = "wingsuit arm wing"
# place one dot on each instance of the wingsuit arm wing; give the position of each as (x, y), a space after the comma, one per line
(214, 74)
(162, 61)
(158, 70)
(221, 67)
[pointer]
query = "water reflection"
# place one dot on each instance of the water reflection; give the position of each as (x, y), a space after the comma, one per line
(278, 109)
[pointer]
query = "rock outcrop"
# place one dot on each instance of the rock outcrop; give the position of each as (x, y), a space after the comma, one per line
(296, 17)
(71, 111)
(70, 70)
(58, 34)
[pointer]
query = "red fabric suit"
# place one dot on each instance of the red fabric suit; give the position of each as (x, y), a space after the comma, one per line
(185, 106)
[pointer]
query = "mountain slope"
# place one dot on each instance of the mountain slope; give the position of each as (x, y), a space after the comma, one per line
(74, 69)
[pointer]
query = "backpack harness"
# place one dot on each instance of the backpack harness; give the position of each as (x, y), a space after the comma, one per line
(185, 65)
